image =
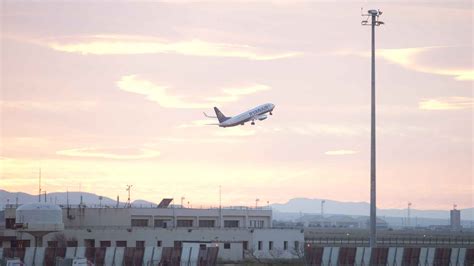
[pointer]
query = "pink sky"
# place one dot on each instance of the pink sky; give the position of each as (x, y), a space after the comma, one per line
(100, 95)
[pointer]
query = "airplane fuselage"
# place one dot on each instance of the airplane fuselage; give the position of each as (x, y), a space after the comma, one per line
(257, 113)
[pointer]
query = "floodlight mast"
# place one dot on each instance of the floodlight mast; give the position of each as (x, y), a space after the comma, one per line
(374, 14)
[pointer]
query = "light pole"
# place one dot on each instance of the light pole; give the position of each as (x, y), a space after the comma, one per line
(374, 15)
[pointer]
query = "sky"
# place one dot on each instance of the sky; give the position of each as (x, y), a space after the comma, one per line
(104, 94)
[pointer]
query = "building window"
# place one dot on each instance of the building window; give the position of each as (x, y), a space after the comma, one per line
(140, 244)
(162, 223)
(140, 222)
(89, 243)
(259, 245)
(52, 244)
(185, 223)
(285, 245)
(226, 245)
(245, 245)
(297, 245)
(202, 246)
(158, 243)
(71, 243)
(270, 245)
(122, 243)
(22, 243)
(231, 223)
(10, 223)
(207, 223)
(257, 223)
(105, 244)
(178, 244)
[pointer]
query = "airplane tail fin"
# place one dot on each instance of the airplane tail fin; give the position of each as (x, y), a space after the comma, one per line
(220, 116)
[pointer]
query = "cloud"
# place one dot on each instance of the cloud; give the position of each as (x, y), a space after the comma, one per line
(406, 57)
(233, 94)
(97, 153)
(50, 106)
(326, 129)
(197, 123)
(234, 132)
(200, 140)
(447, 103)
(340, 152)
(161, 94)
(130, 45)
(156, 93)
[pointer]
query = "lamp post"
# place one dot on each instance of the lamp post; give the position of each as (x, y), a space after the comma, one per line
(374, 15)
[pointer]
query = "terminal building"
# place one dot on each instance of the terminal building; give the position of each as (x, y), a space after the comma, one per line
(237, 233)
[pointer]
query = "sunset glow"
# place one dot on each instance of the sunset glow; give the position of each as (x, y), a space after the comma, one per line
(101, 95)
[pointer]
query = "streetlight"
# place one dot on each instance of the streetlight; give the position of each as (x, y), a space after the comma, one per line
(374, 14)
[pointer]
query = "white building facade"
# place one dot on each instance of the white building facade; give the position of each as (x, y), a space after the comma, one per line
(240, 233)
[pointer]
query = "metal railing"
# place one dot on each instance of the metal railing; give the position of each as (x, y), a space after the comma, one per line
(393, 241)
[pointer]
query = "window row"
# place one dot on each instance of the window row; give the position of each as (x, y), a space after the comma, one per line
(271, 247)
(165, 223)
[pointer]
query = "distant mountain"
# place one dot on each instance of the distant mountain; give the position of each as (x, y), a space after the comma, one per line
(305, 205)
(290, 210)
(73, 197)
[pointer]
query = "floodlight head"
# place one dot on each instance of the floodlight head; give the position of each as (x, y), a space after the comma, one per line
(374, 12)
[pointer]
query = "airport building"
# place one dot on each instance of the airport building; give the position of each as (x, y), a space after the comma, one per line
(237, 233)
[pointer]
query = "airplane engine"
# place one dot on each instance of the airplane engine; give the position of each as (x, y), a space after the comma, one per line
(262, 117)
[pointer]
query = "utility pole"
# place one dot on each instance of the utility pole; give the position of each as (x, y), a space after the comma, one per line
(408, 214)
(220, 206)
(39, 185)
(374, 15)
(256, 203)
(322, 209)
(182, 199)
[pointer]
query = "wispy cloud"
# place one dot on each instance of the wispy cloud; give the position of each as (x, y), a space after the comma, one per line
(156, 93)
(197, 123)
(406, 57)
(200, 140)
(233, 94)
(447, 103)
(50, 106)
(311, 129)
(101, 153)
(235, 132)
(129, 45)
(340, 152)
(163, 96)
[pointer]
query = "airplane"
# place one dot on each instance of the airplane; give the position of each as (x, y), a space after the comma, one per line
(257, 113)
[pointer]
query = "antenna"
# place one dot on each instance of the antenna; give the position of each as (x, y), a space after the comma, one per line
(129, 189)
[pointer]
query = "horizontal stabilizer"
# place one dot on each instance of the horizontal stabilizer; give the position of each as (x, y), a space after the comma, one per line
(209, 116)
